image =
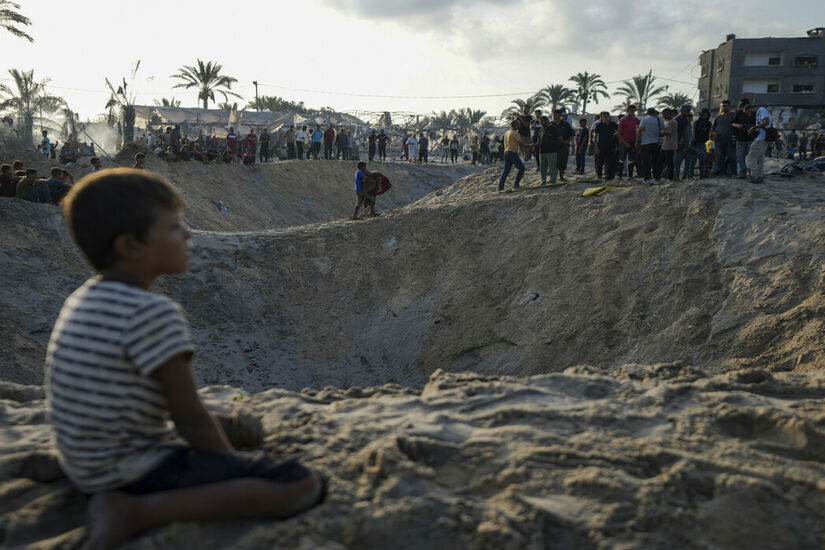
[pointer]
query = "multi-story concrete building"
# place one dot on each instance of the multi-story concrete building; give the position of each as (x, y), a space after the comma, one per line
(787, 72)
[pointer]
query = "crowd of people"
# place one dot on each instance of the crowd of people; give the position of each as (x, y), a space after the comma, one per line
(671, 144)
(316, 143)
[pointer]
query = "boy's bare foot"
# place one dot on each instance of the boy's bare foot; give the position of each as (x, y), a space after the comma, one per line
(109, 518)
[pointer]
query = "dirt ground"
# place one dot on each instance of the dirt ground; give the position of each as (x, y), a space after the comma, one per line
(476, 370)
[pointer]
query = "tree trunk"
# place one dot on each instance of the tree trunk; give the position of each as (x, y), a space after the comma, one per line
(28, 130)
(128, 114)
(584, 105)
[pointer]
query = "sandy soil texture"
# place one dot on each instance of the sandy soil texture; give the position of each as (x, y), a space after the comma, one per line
(476, 370)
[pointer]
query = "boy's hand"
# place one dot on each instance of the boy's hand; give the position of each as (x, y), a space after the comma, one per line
(191, 420)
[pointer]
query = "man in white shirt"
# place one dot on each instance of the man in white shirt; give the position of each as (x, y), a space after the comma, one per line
(756, 156)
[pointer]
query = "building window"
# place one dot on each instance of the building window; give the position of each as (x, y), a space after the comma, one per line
(802, 89)
(701, 94)
(720, 64)
(718, 91)
(805, 61)
(704, 71)
(772, 89)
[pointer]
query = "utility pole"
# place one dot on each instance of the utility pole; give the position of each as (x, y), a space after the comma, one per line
(257, 104)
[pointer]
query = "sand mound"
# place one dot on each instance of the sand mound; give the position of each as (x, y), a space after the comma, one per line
(720, 447)
(719, 274)
(640, 457)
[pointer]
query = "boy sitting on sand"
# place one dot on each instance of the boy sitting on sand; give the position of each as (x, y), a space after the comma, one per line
(118, 368)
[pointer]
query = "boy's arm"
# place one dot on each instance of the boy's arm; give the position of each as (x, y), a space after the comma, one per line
(191, 420)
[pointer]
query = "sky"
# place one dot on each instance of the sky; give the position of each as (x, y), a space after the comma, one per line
(383, 55)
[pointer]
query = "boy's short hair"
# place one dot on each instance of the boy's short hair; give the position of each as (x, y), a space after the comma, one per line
(114, 202)
(65, 172)
(5, 168)
(362, 165)
(56, 172)
(515, 123)
(139, 156)
(31, 171)
(18, 164)
(94, 160)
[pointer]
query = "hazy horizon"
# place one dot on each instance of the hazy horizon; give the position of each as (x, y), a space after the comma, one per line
(343, 53)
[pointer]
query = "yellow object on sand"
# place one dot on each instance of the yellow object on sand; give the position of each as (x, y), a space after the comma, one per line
(599, 191)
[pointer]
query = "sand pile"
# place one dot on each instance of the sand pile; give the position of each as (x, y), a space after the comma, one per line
(635, 458)
(720, 447)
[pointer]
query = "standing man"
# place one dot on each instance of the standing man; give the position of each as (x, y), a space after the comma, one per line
(371, 142)
(317, 137)
(423, 148)
(231, 142)
(383, 141)
(793, 143)
(251, 145)
(525, 125)
(567, 134)
(722, 132)
(756, 155)
(628, 127)
(683, 127)
(701, 134)
(536, 127)
(300, 140)
(513, 141)
(743, 121)
(550, 141)
(670, 143)
(647, 140)
(329, 139)
(264, 146)
(606, 133)
(290, 142)
(582, 141)
(484, 146)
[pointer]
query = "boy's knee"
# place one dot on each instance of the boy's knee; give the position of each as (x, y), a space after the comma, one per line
(310, 491)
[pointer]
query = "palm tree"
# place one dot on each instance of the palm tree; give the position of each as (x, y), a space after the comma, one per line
(276, 104)
(673, 100)
(441, 119)
(207, 78)
(11, 20)
(589, 86)
(226, 106)
(533, 102)
(171, 102)
(466, 117)
(71, 127)
(640, 89)
(28, 101)
(556, 96)
(123, 99)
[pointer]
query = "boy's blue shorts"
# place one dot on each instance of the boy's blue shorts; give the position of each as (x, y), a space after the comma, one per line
(185, 467)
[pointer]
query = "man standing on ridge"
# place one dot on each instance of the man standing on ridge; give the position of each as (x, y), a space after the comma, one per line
(383, 140)
(628, 127)
(329, 139)
(371, 145)
(513, 141)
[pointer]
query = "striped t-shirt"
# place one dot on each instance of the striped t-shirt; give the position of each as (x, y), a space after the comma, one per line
(110, 417)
